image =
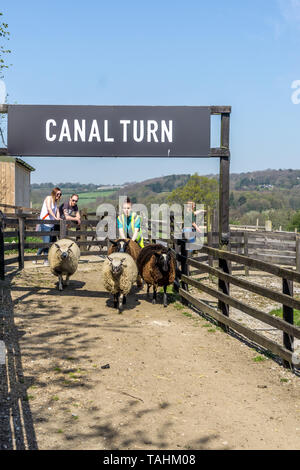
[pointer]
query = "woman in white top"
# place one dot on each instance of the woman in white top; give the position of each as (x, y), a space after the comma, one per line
(50, 211)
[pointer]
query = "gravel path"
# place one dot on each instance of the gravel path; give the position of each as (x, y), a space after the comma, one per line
(174, 380)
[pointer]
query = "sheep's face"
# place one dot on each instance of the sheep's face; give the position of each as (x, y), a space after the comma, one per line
(116, 265)
(163, 261)
(64, 255)
(121, 245)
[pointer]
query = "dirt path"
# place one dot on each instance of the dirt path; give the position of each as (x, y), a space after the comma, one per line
(175, 381)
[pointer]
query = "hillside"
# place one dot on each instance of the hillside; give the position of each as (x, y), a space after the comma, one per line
(266, 179)
(268, 194)
(91, 195)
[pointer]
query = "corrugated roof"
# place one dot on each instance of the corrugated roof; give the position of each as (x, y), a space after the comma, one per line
(17, 160)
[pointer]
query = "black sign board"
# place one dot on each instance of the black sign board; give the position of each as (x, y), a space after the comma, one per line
(109, 131)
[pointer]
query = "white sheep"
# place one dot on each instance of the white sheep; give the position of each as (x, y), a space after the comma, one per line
(63, 258)
(119, 274)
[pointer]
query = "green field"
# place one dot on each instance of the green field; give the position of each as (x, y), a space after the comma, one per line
(88, 198)
(278, 313)
(85, 198)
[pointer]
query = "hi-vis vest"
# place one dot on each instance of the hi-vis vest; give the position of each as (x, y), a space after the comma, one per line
(134, 216)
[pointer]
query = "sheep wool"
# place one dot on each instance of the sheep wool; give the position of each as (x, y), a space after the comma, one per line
(133, 248)
(60, 266)
(124, 282)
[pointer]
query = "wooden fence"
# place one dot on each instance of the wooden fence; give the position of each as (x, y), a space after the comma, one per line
(225, 300)
(281, 248)
(22, 226)
(208, 259)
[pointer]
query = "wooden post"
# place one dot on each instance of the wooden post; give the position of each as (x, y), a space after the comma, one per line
(172, 231)
(224, 181)
(21, 236)
(209, 234)
(288, 315)
(2, 266)
(184, 266)
(224, 287)
(297, 253)
(224, 233)
(246, 251)
(62, 228)
(268, 225)
(178, 265)
(215, 224)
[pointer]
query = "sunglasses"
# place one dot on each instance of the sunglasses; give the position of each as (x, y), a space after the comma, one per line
(74, 200)
(59, 194)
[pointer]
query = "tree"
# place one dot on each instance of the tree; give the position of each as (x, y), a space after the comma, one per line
(4, 34)
(200, 189)
(242, 200)
(295, 222)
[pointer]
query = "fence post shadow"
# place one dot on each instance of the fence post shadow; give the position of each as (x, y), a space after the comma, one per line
(15, 413)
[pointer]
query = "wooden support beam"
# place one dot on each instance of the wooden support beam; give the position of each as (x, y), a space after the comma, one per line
(63, 229)
(224, 235)
(2, 265)
(220, 109)
(3, 108)
(219, 152)
(21, 236)
(246, 251)
(288, 316)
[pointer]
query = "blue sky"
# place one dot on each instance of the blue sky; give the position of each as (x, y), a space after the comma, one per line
(168, 52)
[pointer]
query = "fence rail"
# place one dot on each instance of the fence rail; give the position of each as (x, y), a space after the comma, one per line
(225, 300)
(208, 259)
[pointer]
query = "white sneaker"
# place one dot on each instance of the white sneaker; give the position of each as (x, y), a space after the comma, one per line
(34, 261)
(46, 263)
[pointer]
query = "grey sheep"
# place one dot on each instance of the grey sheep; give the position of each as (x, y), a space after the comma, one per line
(63, 259)
(119, 274)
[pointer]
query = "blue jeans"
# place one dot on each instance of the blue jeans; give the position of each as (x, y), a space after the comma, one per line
(190, 236)
(46, 239)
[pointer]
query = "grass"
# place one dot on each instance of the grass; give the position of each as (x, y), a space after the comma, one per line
(259, 358)
(187, 314)
(278, 313)
(28, 240)
(172, 297)
(29, 397)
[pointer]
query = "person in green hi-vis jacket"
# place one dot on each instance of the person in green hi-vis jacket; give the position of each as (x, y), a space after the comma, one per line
(129, 224)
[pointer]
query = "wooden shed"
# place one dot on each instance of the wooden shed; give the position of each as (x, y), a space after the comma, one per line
(15, 181)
